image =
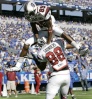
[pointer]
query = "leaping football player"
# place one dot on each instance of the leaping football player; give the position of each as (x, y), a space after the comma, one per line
(40, 16)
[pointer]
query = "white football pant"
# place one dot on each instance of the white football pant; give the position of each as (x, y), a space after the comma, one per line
(58, 82)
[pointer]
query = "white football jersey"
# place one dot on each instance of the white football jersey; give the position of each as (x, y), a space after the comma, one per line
(43, 14)
(44, 10)
(54, 53)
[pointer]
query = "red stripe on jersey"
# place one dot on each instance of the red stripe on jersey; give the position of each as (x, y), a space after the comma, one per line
(47, 10)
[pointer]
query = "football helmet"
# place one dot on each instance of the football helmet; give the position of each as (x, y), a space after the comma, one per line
(31, 13)
(30, 9)
(83, 51)
(42, 41)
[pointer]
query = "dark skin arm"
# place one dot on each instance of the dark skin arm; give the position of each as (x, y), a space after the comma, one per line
(48, 25)
(50, 31)
(34, 29)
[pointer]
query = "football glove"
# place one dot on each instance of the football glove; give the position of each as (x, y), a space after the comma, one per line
(83, 51)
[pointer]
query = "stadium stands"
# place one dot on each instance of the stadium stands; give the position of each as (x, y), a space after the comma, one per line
(74, 2)
(14, 31)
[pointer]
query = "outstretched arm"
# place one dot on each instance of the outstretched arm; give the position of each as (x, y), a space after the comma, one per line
(34, 29)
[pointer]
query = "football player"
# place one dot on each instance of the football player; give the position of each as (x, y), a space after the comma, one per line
(43, 25)
(54, 55)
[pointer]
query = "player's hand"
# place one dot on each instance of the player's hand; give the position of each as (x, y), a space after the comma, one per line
(83, 51)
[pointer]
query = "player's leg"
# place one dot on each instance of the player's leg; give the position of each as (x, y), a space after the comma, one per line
(25, 50)
(82, 84)
(23, 53)
(86, 84)
(64, 87)
(59, 32)
(53, 86)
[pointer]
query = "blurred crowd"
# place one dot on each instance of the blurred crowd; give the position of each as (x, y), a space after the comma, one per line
(14, 31)
(74, 2)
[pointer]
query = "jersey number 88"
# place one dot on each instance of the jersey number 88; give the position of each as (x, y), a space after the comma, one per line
(55, 56)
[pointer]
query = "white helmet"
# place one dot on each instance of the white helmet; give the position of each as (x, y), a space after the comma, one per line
(30, 8)
(42, 41)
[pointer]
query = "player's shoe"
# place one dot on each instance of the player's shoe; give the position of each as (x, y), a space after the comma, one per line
(7, 96)
(73, 97)
(16, 96)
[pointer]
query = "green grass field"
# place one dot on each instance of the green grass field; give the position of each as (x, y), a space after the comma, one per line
(78, 94)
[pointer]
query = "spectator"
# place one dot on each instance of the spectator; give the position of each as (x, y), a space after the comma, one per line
(11, 82)
(84, 78)
(37, 75)
(83, 67)
(1, 80)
